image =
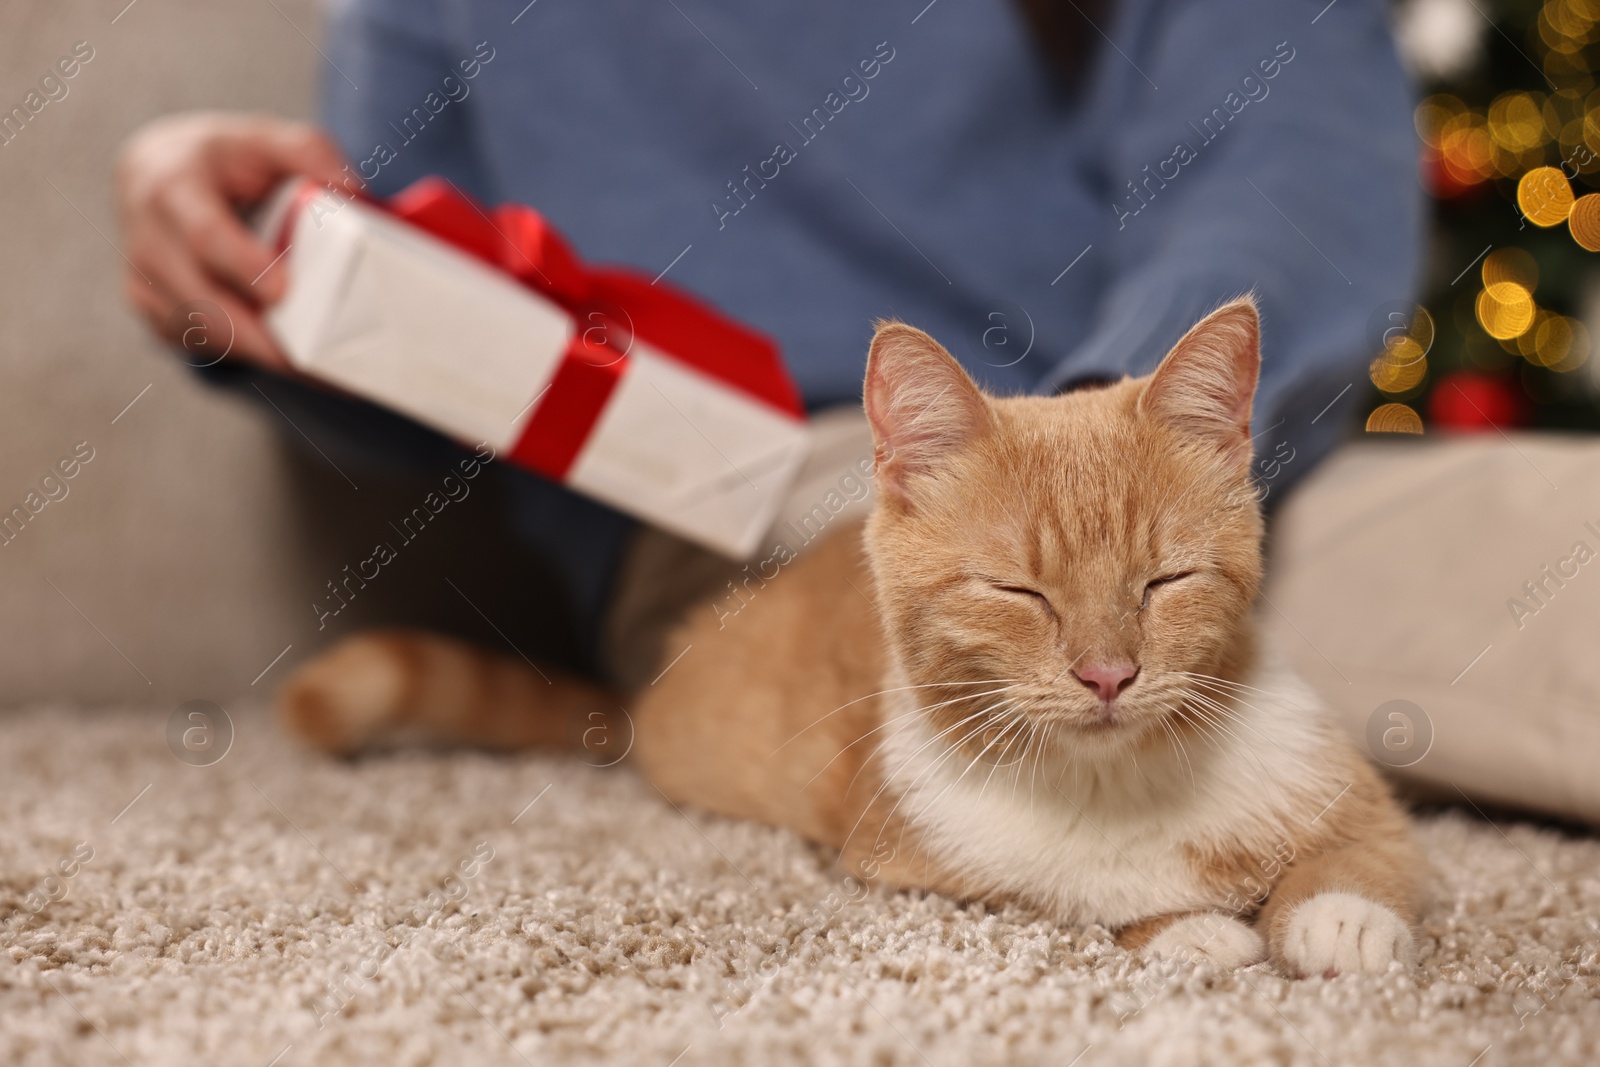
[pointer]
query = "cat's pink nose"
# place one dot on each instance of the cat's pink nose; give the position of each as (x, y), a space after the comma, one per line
(1108, 680)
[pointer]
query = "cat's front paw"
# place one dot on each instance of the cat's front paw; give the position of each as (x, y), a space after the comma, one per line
(1208, 938)
(1337, 933)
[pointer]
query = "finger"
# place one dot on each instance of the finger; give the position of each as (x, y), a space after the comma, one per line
(198, 328)
(153, 303)
(216, 237)
(252, 157)
(307, 150)
(171, 318)
(207, 320)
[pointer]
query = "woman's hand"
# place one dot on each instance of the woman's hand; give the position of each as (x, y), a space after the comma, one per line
(180, 182)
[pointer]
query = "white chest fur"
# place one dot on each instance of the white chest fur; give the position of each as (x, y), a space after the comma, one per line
(1115, 842)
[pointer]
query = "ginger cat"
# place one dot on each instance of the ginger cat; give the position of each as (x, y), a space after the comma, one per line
(1032, 676)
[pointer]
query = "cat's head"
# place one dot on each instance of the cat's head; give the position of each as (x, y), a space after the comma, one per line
(1078, 559)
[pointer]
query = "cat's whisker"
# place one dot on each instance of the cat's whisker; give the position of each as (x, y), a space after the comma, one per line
(1022, 746)
(892, 775)
(1222, 715)
(1038, 758)
(889, 736)
(970, 764)
(964, 696)
(889, 778)
(1220, 694)
(918, 710)
(1221, 718)
(1017, 721)
(879, 693)
(1023, 737)
(884, 741)
(1034, 726)
(952, 750)
(1190, 681)
(1207, 728)
(1218, 703)
(1219, 678)
(1134, 756)
(986, 714)
(1235, 716)
(1229, 683)
(876, 749)
(1218, 725)
(1182, 751)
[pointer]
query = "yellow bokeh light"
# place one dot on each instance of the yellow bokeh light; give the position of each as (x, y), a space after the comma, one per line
(1584, 221)
(1572, 136)
(1465, 149)
(1434, 113)
(1577, 348)
(1421, 329)
(1400, 368)
(1545, 196)
(1505, 310)
(1551, 340)
(1418, 329)
(1559, 28)
(1525, 344)
(1561, 110)
(1394, 418)
(1572, 19)
(1567, 68)
(1516, 122)
(1508, 164)
(1511, 265)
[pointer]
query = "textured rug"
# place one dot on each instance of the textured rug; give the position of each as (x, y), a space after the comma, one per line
(260, 905)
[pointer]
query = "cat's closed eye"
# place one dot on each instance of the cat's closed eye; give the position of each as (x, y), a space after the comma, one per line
(1033, 594)
(1166, 579)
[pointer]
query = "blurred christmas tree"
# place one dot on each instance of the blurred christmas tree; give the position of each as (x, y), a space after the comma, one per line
(1510, 124)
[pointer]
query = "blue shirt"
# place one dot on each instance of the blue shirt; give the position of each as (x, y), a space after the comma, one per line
(809, 168)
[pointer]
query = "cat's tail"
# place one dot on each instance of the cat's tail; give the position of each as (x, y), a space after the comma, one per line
(390, 687)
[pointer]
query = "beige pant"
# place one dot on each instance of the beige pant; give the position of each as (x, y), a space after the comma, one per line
(662, 576)
(1446, 572)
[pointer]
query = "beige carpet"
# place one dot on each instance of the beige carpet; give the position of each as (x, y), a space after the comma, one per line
(219, 914)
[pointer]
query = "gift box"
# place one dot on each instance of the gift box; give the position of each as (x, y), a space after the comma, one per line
(484, 325)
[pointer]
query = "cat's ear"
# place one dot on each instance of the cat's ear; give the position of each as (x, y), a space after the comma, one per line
(1205, 385)
(922, 406)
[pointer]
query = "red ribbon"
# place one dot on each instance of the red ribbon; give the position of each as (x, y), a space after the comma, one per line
(610, 306)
